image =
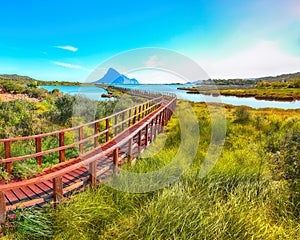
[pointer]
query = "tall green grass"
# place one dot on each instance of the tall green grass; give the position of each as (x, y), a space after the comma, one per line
(240, 198)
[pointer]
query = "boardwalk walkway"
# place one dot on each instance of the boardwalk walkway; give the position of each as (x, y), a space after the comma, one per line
(125, 134)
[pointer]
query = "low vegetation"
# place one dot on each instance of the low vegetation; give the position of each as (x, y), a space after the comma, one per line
(251, 193)
(278, 91)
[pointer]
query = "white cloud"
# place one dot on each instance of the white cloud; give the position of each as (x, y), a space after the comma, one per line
(264, 59)
(68, 65)
(68, 48)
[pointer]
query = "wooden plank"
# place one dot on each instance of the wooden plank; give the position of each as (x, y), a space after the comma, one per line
(28, 192)
(73, 187)
(11, 197)
(37, 190)
(19, 194)
(30, 203)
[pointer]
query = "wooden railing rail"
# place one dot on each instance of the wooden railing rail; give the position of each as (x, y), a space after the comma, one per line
(76, 127)
(62, 147)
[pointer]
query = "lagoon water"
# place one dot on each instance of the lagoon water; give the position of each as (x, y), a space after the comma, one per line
(90, 92)
(95, 94)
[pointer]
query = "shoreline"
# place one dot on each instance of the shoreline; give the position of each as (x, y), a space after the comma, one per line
(266, 96)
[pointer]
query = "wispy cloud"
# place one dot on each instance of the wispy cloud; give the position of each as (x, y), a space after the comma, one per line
(68, 48)
(68, 65)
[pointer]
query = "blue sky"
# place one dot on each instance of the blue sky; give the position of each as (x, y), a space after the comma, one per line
(65, 40)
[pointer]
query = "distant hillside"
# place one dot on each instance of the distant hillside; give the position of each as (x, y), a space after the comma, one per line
(16, 77)
(112, 76)
(251, 81)
(280, 78)
(28, 80)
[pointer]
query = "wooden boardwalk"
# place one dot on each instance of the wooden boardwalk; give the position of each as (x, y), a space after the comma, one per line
(125, 135)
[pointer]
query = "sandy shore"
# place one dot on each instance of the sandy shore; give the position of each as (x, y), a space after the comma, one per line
(5, 97)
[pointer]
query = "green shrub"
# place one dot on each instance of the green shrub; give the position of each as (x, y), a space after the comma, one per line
(242, 114)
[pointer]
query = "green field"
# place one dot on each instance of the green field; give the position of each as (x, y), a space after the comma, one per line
(252, 191)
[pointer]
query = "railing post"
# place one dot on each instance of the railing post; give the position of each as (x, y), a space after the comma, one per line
(116, 122)
(8, 155)
(146, 135)
(2, 208)
(129, 116)
(160, 122)
(139, 116)
(163, 122)
(96, 130)
(151, 130)
(123, 118)
(57, 190)
(140, 141)
(38, 148)
(149, 105)
(134, 118)
(61, 144)
(107, 127)
(116, 157)
(143, 113)
(80, 134)
(130, 143)
(156, 126)
(93, 173)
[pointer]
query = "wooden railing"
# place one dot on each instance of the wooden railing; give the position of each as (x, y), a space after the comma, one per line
(137, 127)
(128, 117)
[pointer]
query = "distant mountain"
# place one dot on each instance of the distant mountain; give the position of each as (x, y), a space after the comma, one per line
(280, 78)
(195, 82)
(16, 77)
(112, 76)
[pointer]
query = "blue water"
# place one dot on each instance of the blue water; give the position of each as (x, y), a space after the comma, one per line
(90, 92)
(251, 102)
(95, 94)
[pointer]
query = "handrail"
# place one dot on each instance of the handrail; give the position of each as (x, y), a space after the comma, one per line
(84, 162)
(76, 127)
(34, 155)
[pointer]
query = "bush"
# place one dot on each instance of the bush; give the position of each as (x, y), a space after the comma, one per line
(37, 92)
(12, 87)
(242, 115)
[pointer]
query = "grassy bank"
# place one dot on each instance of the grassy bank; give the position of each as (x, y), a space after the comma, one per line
(251, 193)
(272, 94)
